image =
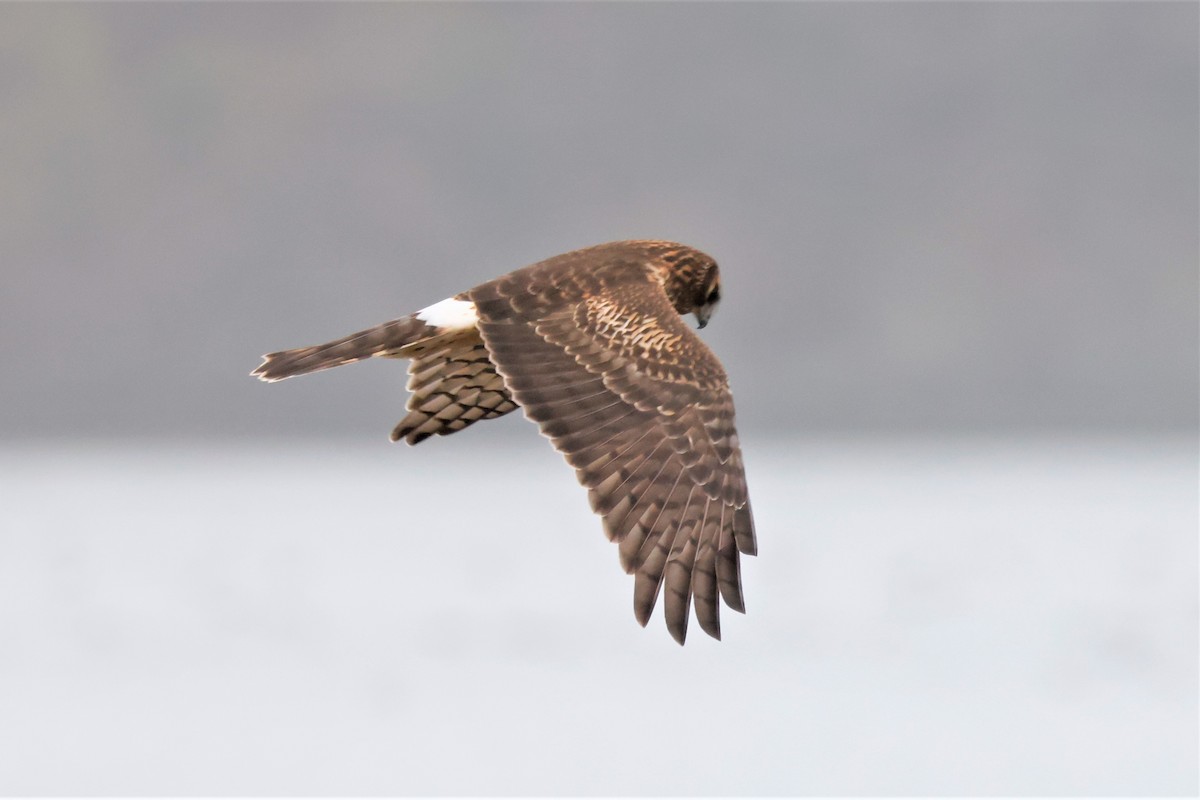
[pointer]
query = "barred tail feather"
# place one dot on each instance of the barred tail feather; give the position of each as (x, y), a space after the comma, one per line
(400, 337)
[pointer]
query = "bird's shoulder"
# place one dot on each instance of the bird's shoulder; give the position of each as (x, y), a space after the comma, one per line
(608, 297)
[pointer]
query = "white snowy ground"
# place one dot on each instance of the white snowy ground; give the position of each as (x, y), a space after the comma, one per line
(939, 616)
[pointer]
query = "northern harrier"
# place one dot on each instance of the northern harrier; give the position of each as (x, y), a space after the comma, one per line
(591, 345)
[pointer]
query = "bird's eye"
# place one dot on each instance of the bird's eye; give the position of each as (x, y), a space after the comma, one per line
(713, 296)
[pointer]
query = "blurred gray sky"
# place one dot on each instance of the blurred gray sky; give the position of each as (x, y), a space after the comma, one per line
(929, 216)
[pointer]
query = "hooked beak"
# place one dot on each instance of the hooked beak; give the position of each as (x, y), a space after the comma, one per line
(702, 314)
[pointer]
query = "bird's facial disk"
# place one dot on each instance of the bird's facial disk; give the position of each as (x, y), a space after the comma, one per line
(707, 305)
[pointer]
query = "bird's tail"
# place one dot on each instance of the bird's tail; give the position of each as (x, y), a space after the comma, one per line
(400, 337)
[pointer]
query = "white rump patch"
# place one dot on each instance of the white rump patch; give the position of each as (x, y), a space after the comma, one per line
(451, 314)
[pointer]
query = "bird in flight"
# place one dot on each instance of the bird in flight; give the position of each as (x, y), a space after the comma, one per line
(591, 344)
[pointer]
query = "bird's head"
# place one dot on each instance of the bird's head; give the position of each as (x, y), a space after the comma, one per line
(692, 282)
(709, 296)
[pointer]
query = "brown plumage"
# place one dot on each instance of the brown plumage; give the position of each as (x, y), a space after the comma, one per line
(592, 346)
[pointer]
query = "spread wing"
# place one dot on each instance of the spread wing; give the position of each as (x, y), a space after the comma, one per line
(641, 408)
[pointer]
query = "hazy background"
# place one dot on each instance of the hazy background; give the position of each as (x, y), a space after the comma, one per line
(960, 252)
(931, 216)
